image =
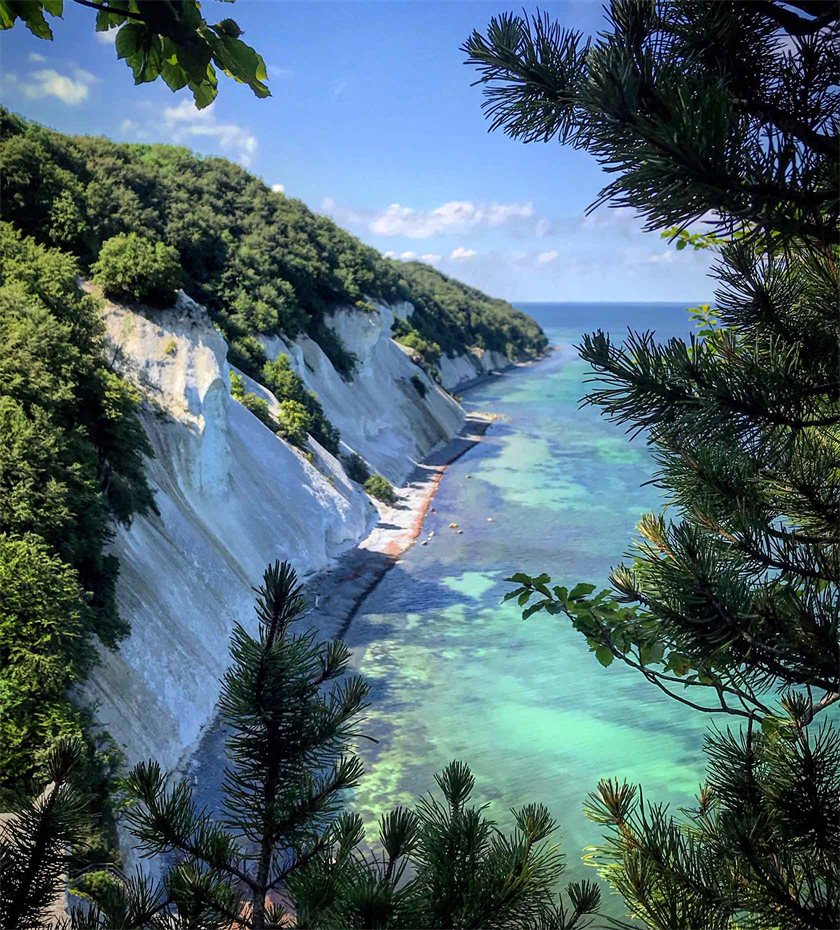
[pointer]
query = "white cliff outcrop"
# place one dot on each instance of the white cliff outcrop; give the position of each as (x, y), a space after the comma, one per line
(381, 414)
(232, 496)
(460, 371)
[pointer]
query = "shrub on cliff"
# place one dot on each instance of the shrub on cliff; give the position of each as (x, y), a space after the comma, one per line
(295, 422)
(381, 489)
(287, 385)
(426, 352)
(256, 405)
(356, 468)
(131, 267)
(419, 385)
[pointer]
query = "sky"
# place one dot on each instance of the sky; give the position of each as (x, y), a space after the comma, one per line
(373, 121)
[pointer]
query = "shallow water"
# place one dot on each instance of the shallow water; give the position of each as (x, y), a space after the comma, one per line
(457, 675)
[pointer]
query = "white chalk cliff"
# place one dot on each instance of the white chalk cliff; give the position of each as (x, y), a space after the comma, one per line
(460, 371)
(232, 496)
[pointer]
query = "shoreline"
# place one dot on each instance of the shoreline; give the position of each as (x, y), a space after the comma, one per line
(337, 593)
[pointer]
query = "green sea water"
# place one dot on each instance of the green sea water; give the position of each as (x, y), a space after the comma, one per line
(457, 675)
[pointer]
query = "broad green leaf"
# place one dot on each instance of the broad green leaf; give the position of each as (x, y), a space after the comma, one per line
(238, 60)
(227, 27)
(520, 578)
(129, 39)
(171, 72)
(678, 664)
(532, 609)
(651, 654)
(107, 19)
(194, 59)
(604, 655)
(581, 590)
(29, 13)
(205, 92)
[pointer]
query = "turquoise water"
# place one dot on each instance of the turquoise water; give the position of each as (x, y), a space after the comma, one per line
(455, 674)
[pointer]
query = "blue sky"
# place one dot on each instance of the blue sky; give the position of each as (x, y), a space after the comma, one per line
(373, 121)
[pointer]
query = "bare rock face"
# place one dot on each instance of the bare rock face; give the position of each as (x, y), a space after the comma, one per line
(231, 497)
(459, 371)
(380, 412)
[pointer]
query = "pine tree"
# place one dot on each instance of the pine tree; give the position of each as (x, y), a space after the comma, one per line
(444, 865)
(283, 852)
(289, 749)
(727, 113)
(36, 834)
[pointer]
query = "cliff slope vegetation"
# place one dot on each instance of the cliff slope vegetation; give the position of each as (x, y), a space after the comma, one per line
(262, 263)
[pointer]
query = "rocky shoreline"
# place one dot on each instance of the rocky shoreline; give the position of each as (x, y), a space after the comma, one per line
(336, 594)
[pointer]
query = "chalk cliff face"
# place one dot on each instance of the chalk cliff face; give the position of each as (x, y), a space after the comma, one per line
(232, 496)
(460, 371)
(381, 414)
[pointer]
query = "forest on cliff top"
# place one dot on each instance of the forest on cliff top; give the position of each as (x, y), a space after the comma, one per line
(261, 262)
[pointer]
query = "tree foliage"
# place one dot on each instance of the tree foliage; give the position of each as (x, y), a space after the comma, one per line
(450, 316)
(381, 489)
(261, 262)
(283, 851)
(35, 839)
(131, 268)
(288, 387)
(71, 462)
(731, 603)
(167, 39)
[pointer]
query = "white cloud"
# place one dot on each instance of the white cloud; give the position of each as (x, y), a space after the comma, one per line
(431, 258)
(461, 254)
(279, 188)
(621, 221)
(408, 256)
(49, 83)
(451, 217)
(545, 258)
(186, 122)
(659, 258)
(128, 125)
(36, 59)
(108, 37)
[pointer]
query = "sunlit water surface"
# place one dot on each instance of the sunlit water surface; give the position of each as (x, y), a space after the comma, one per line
(457, 675)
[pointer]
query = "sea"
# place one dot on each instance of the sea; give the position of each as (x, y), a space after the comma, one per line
(457, 674)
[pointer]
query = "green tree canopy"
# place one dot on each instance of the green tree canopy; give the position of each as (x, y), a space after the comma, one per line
(131, 268)
(71, 462)
(261, 262)
(167, 39)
